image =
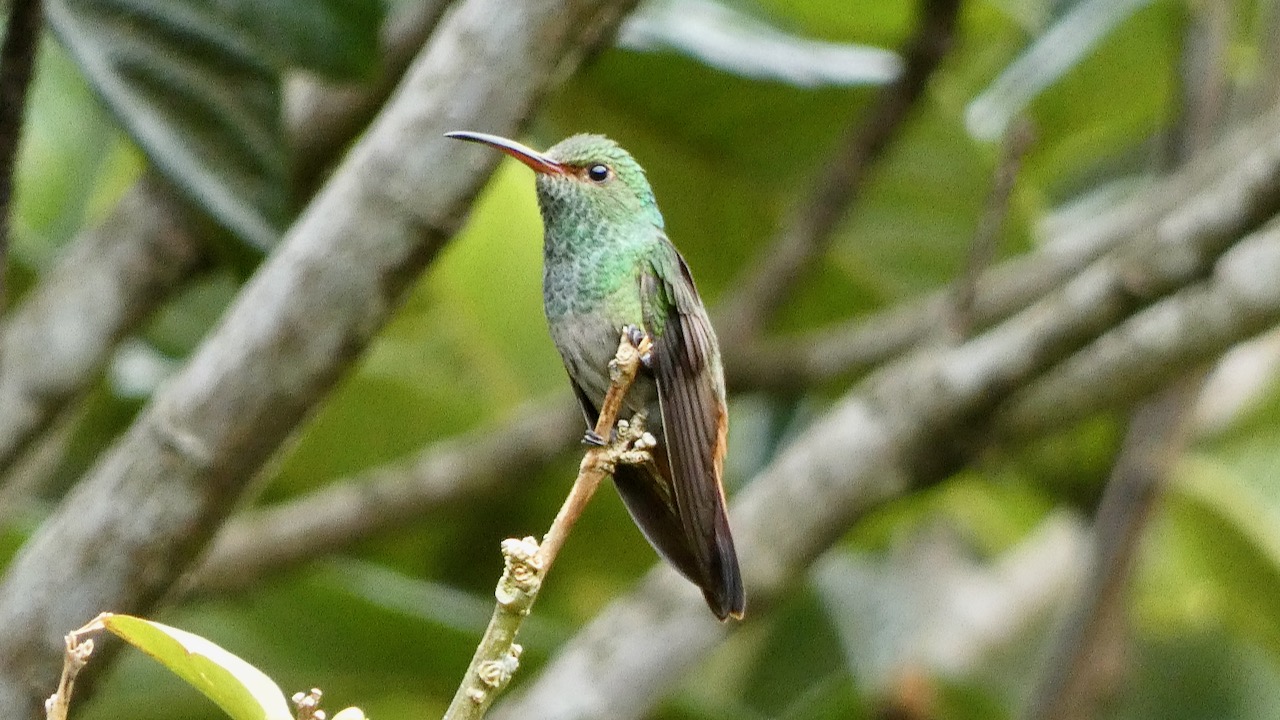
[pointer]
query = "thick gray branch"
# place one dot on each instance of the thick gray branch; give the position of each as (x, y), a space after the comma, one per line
(122, 537)
(1142, 354)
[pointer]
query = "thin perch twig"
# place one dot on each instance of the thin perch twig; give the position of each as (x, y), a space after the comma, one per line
(527, 563)
(76, 657)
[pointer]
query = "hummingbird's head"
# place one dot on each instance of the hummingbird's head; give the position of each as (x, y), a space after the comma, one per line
(583, 179)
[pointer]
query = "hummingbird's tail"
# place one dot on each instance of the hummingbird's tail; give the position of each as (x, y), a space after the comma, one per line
(725, 595)
(642, 491)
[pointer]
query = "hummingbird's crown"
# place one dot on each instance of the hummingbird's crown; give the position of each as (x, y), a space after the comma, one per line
(585, 149)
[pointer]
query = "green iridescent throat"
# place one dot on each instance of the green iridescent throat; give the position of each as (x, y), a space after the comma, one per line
(597, 233)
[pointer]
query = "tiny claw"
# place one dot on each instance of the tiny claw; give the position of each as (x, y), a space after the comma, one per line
(634, 334)
(591, 437)
(646, 359)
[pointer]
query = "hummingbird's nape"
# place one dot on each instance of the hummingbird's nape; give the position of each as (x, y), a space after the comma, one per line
(538, 162)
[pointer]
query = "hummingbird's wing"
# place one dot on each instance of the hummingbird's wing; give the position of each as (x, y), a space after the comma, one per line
(687, 370)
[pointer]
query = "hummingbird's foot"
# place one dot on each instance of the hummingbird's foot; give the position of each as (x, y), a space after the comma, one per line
(593, 438)
(640, 341)
(638, 451)
(634, 334)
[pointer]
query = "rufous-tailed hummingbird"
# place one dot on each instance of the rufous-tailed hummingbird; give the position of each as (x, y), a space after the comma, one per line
(608, 266)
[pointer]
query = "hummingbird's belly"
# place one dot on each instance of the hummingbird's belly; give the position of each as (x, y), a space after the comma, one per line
(587, 343)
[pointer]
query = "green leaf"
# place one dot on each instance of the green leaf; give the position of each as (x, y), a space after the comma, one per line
(240, 689)
(334, 38)
(70, 145)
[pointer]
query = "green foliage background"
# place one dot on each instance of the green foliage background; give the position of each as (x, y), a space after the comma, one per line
(391, 625)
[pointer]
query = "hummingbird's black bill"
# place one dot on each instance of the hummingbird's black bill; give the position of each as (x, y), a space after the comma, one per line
(537, 161)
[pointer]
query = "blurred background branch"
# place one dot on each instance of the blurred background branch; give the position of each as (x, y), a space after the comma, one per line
(104, 286)
(1086, 661)
(808, 229)
(263, 542)
(1238, 174)
(986, 237)
(325, 117)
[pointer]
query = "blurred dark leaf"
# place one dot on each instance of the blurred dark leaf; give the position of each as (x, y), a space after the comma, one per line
(337, 39)
(800, 650)
(197, 85)
(834, 697)
(71, 152)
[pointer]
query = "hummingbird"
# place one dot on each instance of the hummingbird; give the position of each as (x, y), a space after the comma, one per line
(609, 268)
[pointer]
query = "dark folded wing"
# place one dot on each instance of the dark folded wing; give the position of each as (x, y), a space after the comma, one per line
(686, 368)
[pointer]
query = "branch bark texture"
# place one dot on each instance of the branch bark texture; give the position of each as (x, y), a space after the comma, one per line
(122, 537)
(1142, 354)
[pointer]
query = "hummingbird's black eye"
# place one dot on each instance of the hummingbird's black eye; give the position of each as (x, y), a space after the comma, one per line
(598, 173)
